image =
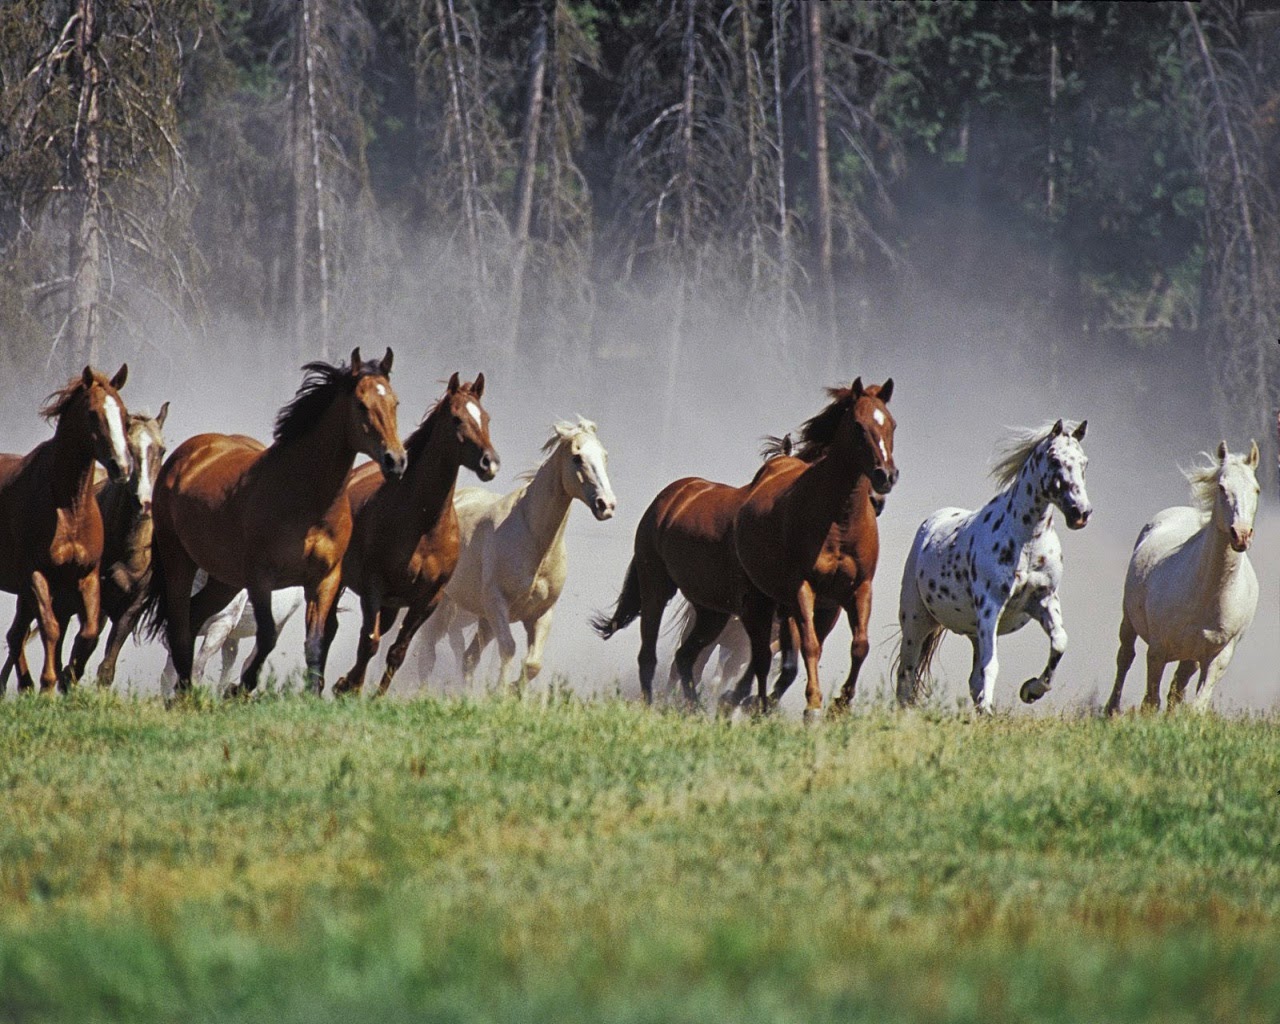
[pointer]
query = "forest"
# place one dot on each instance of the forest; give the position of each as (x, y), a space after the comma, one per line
(557, 184)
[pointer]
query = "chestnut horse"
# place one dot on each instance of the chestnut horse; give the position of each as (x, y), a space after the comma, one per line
(266, 518)
(50, 526)
(806, 534)
(404, 545)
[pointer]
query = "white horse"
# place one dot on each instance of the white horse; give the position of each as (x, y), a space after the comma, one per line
(511, 563)
(992, 571)
(1190, 591)
(223, 632)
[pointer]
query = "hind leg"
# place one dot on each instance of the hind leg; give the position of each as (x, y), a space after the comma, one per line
(919, 634)
(178, 573)
(17, 638)
(1210, 674)
(89, 613)
(373, 617)
(536, 632)
(1178, 688)
(433, 631)
(264, 641)
(1124, 660)
(1049, 614)
(707, 625)
(654, 595)
(1155, 673)
(789, 648)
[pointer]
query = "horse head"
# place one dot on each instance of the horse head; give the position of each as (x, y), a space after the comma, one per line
(470, 427)
(91, 406)
(373, 414)
(1062, 473)
(584, 467)
(145, 437)
(876, 427)
(1235, 498)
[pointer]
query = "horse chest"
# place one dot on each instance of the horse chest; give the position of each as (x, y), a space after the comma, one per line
(75, 540)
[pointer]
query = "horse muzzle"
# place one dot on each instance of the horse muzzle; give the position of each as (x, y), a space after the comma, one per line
(487, 467)
(602, 508)
(1241, 538)
(393, 464)
(1077, 518)
(882, 480)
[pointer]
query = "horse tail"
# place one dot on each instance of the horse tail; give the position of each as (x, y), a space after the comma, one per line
(155, 606)
(625, 611)
(922, 677)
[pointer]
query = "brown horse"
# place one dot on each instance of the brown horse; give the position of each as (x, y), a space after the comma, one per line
(265, 518)
(404, 544)
(50, 526)
(685, 542)
(806, 534)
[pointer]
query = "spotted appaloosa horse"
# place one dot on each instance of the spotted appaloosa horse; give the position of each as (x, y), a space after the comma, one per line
(992, 571)
(1190, 591)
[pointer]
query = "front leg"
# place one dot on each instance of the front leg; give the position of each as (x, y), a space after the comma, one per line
(859, 615)
(1049, 614)
(90, 615)
(811, 651)
(371, 621)
(1210, 674)
(50, 630)
(497, 618)
(17, 638)
(986, 663)
(320, 601)
(536, 632)
(415, 615)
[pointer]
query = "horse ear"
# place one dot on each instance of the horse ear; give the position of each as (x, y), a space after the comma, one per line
(162, 415)
(1222, 451)
(857, 388)
(1058, 428)
(356, 362)
(454, 383)
(886, 391)
(477, 388)
(1252, 460)
(1078, 433)
(87, 376)
(121, 376)
(385, 365)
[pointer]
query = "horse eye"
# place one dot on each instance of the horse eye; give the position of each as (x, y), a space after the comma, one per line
(577, 458)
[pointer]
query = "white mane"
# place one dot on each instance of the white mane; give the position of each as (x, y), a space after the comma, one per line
(1013, 452)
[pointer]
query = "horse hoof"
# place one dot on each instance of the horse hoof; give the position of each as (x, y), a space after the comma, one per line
(812, 716)
(1032, 690)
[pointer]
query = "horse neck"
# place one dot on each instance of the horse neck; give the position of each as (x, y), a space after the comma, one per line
(123, 521)
(1217, 563)
(829, 485)
(431, 479)
(1026, 509)
(322, 457)
(73, 458)
(544, 505)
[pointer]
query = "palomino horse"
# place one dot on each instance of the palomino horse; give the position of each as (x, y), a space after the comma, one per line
(806, 534)
(126, 519)
(266, 518)
(50, 526)
(405, 541)
(992, 571)
(512, 565)
(1190, 591)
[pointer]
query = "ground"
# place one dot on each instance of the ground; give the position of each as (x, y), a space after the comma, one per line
(297, 860)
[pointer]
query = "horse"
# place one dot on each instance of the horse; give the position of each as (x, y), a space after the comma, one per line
(1190, 591)
(806, 535)
(404, 544)
(991, 571)
(222, 633)
(264, 518)
(512, 564)
(51, 534)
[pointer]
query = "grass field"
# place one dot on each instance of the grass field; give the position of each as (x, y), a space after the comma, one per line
(292, 860)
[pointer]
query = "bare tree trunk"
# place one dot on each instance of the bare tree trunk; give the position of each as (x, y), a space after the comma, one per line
(784, 214)
(1051, 187)
(752, 92)
(85, 241)
(523, 200)
(820, 160)
(299, 211)
(313, 129)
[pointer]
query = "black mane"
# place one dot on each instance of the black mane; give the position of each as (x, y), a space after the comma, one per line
(416, 443)
(321, 385)
(816, 434)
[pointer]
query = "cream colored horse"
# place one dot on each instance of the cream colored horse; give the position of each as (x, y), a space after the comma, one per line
(512, 563)
(1190, 592)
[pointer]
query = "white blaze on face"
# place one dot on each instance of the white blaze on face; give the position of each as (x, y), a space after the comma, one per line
(878, 416)
(474, 410)
(145, 483)
(883, 450)
(382, 389)
(115, 426)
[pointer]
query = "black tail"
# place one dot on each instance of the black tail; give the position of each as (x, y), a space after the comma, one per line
(155, 609)
(625, 611)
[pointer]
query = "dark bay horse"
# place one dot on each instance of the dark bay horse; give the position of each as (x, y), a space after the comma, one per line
(685, 542)
(806, 534)
(51, 534)
(264, 518)
(404, 544)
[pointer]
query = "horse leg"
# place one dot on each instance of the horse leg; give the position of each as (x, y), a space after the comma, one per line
(986, 666)
(859, 615)
(17, 638)
(470, 659)
(656, 590)
(789, 647)
(86, 642)
(320, 601)
(435, 627)
(415, 615)
(536, 632)
(1049, 614)
(757, 617)
(330, 632)
(497, 618)
(50, 631)
(1210, 674)
(1181, 676)
(919, 632)
(371, 620)
(179, 572)
(1124, 659)
(1155, 672)
(264, 640)
(811, 651)
(707, 625)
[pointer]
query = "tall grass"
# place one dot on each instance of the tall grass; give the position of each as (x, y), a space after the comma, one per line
(292, 859)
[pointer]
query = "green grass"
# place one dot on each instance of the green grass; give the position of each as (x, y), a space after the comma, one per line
(292, 860)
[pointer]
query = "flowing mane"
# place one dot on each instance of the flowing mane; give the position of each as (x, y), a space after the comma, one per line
(59, 401)
(816, 433)
(1203, 478)
(321, 385)
(561, 431)
(1013, 452)
(415, 444)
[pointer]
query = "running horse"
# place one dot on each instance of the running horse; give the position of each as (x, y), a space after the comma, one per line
(404, 546)
(51, 534)
(806, 535)
(264, 518)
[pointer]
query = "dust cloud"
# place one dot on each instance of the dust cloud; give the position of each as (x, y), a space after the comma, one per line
(963, 371)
